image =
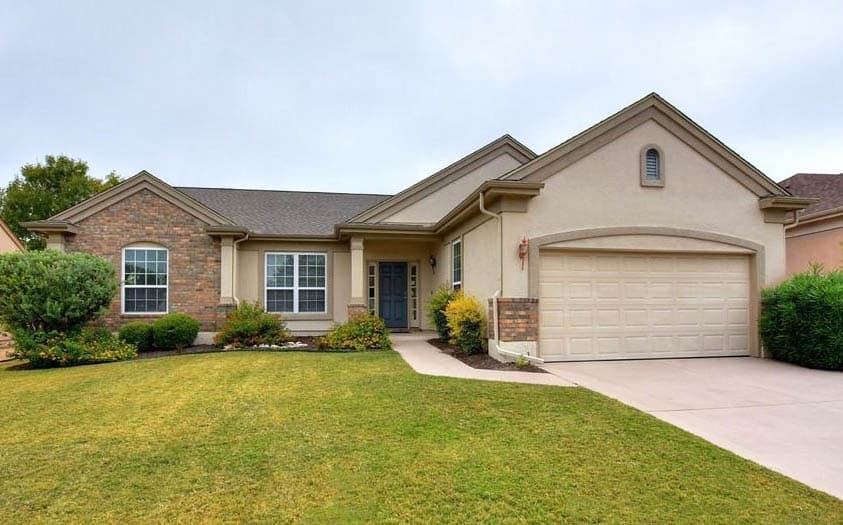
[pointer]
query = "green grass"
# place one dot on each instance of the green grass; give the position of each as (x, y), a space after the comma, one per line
(302, 437)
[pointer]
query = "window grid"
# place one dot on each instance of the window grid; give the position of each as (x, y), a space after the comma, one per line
(145, 280)
(414, 302)
(372, 279)
(456, 264)
(296, 283)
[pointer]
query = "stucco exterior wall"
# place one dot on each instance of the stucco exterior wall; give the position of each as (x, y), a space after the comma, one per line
(480, 257)
(251, 271)
(819, 242)
(194, 272)
(603, 190)
(434, 206)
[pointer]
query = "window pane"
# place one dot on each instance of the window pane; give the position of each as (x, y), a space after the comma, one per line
(312, 271)
(145, 267)
(145, 300)
(457, 262)
(311, 300)
(279, 271)
(279, 301)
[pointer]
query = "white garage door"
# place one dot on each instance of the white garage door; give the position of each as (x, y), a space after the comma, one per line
(601, 305)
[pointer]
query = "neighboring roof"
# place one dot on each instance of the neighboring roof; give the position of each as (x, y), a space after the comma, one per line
(827, 187)
(4, 228)
(268, 212)
(651, 107)
(505, 144)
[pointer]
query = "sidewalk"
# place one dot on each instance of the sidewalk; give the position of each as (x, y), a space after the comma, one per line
(428, 360)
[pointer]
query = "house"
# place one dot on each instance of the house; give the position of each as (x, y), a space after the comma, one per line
(816, 234)
(8, 243)
(641, 237)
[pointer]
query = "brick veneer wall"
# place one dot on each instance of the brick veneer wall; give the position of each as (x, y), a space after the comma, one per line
(518, 319)
(194, 280)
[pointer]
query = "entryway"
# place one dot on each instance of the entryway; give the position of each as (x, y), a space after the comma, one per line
(392, 288)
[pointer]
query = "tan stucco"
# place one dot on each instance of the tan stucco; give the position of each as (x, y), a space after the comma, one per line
(602, 190)
(7, 243)
(816, 242)
(435, 205)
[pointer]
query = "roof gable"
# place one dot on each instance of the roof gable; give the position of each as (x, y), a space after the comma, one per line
(142, 181)
(4, 229)
(651, 107)
(505, 145)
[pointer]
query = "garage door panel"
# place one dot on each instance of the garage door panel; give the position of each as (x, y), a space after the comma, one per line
(615, 306)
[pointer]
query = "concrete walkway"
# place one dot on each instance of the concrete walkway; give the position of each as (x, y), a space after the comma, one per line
(429, 360)
(787, 418)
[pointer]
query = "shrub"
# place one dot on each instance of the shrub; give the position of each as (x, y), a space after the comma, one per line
(361, 332)
(436, 310)
(137, 333)
(801, 320)
(90, 345)
(174, 331)
(465, 321)
(51, 292)
(249, 325)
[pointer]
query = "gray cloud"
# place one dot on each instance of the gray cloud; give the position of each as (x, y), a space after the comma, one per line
(372, 96)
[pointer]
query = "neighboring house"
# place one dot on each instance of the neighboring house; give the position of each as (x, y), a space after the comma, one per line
(816, 235)
(641, 237)
(8, 243)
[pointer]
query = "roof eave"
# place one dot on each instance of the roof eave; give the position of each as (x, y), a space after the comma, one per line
(49, 226)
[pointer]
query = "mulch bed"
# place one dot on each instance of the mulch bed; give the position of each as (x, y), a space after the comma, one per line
(207, 349)
(481, 361)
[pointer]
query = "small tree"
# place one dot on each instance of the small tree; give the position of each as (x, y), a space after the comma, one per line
(51, 293)
(42, 190)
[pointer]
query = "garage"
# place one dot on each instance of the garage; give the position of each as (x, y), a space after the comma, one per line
(611, 305)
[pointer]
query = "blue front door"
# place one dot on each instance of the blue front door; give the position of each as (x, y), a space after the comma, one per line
(392, 289)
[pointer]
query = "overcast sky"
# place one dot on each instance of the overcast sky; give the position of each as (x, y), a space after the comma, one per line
(372, 96)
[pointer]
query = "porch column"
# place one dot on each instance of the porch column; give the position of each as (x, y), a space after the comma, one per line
(357, 303)
(226, 270)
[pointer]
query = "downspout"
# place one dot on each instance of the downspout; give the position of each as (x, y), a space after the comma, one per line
(498, 292)
(234, 268)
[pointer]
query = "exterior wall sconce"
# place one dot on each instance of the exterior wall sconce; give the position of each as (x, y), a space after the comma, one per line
(432, 262)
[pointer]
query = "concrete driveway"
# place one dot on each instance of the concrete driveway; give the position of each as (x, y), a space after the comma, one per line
(787, 418)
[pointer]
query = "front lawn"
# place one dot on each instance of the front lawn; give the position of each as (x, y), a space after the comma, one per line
(281, 437)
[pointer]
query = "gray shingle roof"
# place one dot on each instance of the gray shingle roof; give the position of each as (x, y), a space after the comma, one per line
(827, 187)
(268, 212)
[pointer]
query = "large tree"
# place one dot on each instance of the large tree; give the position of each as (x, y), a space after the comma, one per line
(42, 190)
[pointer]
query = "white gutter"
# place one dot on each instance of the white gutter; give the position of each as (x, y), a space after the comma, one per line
(496, 295)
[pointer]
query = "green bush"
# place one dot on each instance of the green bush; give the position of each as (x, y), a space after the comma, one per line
(90, 345)
(465, 321)
(51, 293)
(137, 333)
(174, 331)
(436, 310)
(249, 325)
(361, 332)
(801, 320)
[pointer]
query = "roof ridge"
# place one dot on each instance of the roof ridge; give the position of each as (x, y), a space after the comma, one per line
(283, 191)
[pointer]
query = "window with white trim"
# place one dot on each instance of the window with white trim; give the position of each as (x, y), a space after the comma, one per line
(145, 276)
(372, 277)
(414, 292)
(296, 283)
(456, 264)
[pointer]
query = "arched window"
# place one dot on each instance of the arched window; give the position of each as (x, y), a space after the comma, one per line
(652, 166)
(146, 270)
